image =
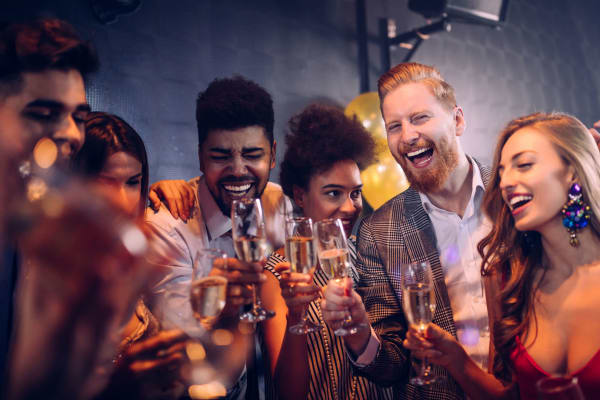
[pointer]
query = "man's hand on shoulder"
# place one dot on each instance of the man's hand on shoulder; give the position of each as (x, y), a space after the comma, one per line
(178, 196)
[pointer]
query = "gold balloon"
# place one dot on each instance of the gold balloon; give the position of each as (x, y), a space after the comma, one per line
(386, 179)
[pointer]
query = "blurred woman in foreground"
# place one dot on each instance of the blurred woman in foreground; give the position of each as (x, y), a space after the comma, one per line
(114, 158)
(541, 261)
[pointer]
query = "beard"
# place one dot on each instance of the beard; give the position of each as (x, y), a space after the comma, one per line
(224, 201)
(434, 176)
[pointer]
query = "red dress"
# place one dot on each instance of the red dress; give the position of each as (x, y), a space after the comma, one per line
(528, 372)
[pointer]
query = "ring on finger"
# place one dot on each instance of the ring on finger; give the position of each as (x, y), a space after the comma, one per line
(235, 290)
(161, 353)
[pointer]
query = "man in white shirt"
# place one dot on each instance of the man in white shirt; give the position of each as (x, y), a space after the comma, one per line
(438, 219)
(236, 151)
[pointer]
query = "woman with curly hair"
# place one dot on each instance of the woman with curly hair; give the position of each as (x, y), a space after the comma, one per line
(541, 259)
(321, 172)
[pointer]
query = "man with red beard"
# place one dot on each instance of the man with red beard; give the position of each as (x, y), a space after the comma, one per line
(438, 219)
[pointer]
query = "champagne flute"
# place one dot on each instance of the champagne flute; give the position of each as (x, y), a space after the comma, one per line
(559, 388)
(208, 294)
(418, 300)
(250, 244)
(300, 252)
(333, 256)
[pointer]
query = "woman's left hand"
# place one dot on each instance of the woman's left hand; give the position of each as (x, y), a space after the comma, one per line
(297, 289)
(159, 356)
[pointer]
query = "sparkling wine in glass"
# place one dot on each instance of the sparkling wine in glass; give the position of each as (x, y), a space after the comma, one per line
(332, 248)
(250, 244)
(302, 255)
(208, 294)
(418, 301)
(334, 263)
(559, 388)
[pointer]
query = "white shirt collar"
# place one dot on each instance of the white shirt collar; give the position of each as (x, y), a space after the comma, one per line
(217, 224)
(477, 190)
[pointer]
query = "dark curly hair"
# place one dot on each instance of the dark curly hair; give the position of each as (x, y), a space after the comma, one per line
(105, 135)
(234, 103)
(41, 45)
(319, 137)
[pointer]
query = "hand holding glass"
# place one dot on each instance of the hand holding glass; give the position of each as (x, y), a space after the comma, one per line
(301, 253)
(332, 248)
(418, 300)
(208, 293)
(559, 388)
(250, 244)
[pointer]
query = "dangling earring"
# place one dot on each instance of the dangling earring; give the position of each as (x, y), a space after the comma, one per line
(576, 214)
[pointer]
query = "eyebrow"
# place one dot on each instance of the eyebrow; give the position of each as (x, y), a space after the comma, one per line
(252, 149)
(83, 107)
(47, 103)
(412, 114)
(228, 151)
(519, 154)
(395, 119)
(103, 176)
(335, 186)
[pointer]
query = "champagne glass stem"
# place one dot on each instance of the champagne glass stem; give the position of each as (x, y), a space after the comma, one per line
(348, 318)
(425, 367)
(255, 298)
(305, 315)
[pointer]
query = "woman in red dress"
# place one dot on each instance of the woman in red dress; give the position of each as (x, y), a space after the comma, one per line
(541, 261)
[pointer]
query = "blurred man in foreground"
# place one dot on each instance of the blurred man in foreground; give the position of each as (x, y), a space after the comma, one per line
(77, 271)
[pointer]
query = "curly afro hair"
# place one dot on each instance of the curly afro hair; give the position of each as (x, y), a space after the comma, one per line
(319, 137)
(234, 103)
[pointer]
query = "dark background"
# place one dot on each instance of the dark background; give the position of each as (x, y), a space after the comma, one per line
(155, 62)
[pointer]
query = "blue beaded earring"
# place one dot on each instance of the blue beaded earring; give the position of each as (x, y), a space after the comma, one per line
(576, 214)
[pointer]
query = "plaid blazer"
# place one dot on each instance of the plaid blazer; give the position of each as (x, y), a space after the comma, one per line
(399, 232)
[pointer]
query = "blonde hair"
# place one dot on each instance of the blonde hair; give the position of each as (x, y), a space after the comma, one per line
(417, 73)
(517, 256)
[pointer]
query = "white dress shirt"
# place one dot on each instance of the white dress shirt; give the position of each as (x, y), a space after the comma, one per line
(457, 240)
(175, 244)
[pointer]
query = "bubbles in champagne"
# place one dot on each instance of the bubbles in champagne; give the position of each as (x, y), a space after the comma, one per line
(334, 263)
(300, 252)
(208, 297)
(250, 249)
(419, 304)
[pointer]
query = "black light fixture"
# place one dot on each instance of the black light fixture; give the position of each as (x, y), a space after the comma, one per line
(490, 12)
(109, 11)
(439, 14)
(428, 8)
